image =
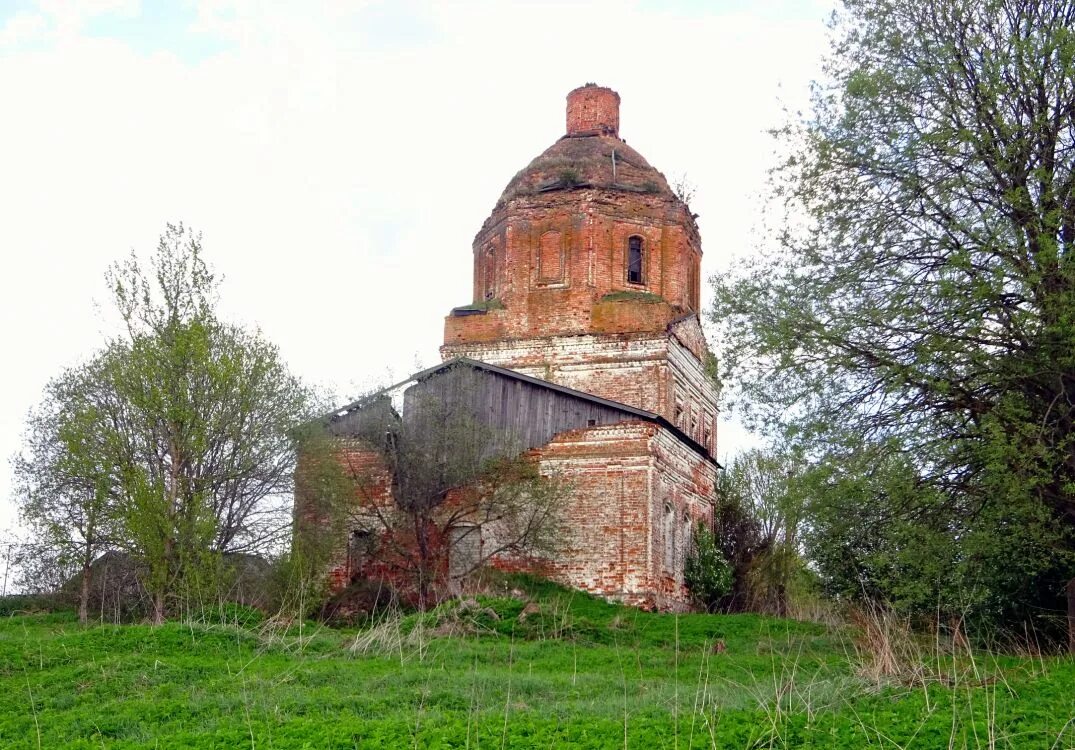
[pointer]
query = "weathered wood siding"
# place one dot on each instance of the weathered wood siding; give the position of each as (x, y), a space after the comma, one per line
(376, 417)
(522, 415)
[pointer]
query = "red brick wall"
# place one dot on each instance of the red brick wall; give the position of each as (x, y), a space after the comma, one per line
(650, 371)
(605, 547)
(370, 481)
(558, 253)
(593, 108)
(622, 477)
(686, 483)
(693, 384)
(365, 471)
(630, 316)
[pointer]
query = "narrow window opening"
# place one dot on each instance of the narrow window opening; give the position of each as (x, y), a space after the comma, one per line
(688, 540)
(489, 273)
(692, 283)
(669, 539)
(591, 422)
(634, 260)
(359, 547)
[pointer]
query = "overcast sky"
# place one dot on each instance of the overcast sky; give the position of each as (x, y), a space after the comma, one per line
(339, 157)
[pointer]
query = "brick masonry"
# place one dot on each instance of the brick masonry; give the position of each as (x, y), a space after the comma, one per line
(658, 371)
(587, 274)
(552, 259)
(627, 480)
(593, 109)
(551, 265)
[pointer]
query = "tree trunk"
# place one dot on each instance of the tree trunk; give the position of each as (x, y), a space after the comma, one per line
(161, 585)
(1071, 616)
(84, 592)
(158, 608)
(423, 569)
(169, 546)
(87, 568)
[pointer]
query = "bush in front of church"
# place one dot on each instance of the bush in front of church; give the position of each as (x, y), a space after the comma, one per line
(707, 574)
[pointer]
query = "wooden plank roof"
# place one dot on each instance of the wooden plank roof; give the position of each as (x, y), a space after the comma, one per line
(627, 410)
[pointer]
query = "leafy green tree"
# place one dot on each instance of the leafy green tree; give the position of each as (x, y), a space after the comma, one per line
(924, 301)
(758, 520)
(877, 532)
(65, 487)
(180, 428)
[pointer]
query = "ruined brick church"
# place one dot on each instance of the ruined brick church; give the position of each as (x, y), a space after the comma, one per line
(585, 333)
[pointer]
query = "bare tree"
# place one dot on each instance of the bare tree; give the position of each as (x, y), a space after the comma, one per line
(437, 493)
(684, 189)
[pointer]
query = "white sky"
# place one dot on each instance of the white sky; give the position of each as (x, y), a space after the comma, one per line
(339, 157)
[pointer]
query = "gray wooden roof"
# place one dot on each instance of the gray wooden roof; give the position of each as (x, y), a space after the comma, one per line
(538, 419)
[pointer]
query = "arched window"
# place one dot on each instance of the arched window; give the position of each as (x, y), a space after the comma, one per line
(489, 273)
(635, 260)
(669, 538)
(692, 283)
(359, 549)
(688, 540)
(551, 257)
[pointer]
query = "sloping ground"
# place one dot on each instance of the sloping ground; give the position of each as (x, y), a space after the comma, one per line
(553, 669)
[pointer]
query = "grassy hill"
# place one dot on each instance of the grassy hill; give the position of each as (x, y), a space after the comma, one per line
(551, 668)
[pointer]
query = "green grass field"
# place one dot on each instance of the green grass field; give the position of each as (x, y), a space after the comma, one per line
(578, 673)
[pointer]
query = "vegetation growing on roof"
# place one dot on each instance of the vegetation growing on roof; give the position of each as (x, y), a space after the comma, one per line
(483, 306)
(632, 296)
(569, 177)
(711, 367)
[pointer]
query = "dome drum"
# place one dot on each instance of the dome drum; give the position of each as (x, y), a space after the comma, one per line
(588, 237)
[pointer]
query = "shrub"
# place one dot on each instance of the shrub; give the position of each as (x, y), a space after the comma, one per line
(22, 604)
(358, 603)
(570, 177)
(707, 574)
(483, 306)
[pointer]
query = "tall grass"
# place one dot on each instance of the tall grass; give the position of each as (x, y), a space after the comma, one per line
(528, 666)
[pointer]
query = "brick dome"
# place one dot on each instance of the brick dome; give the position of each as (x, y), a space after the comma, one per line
(588, 239)
(591, 154)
